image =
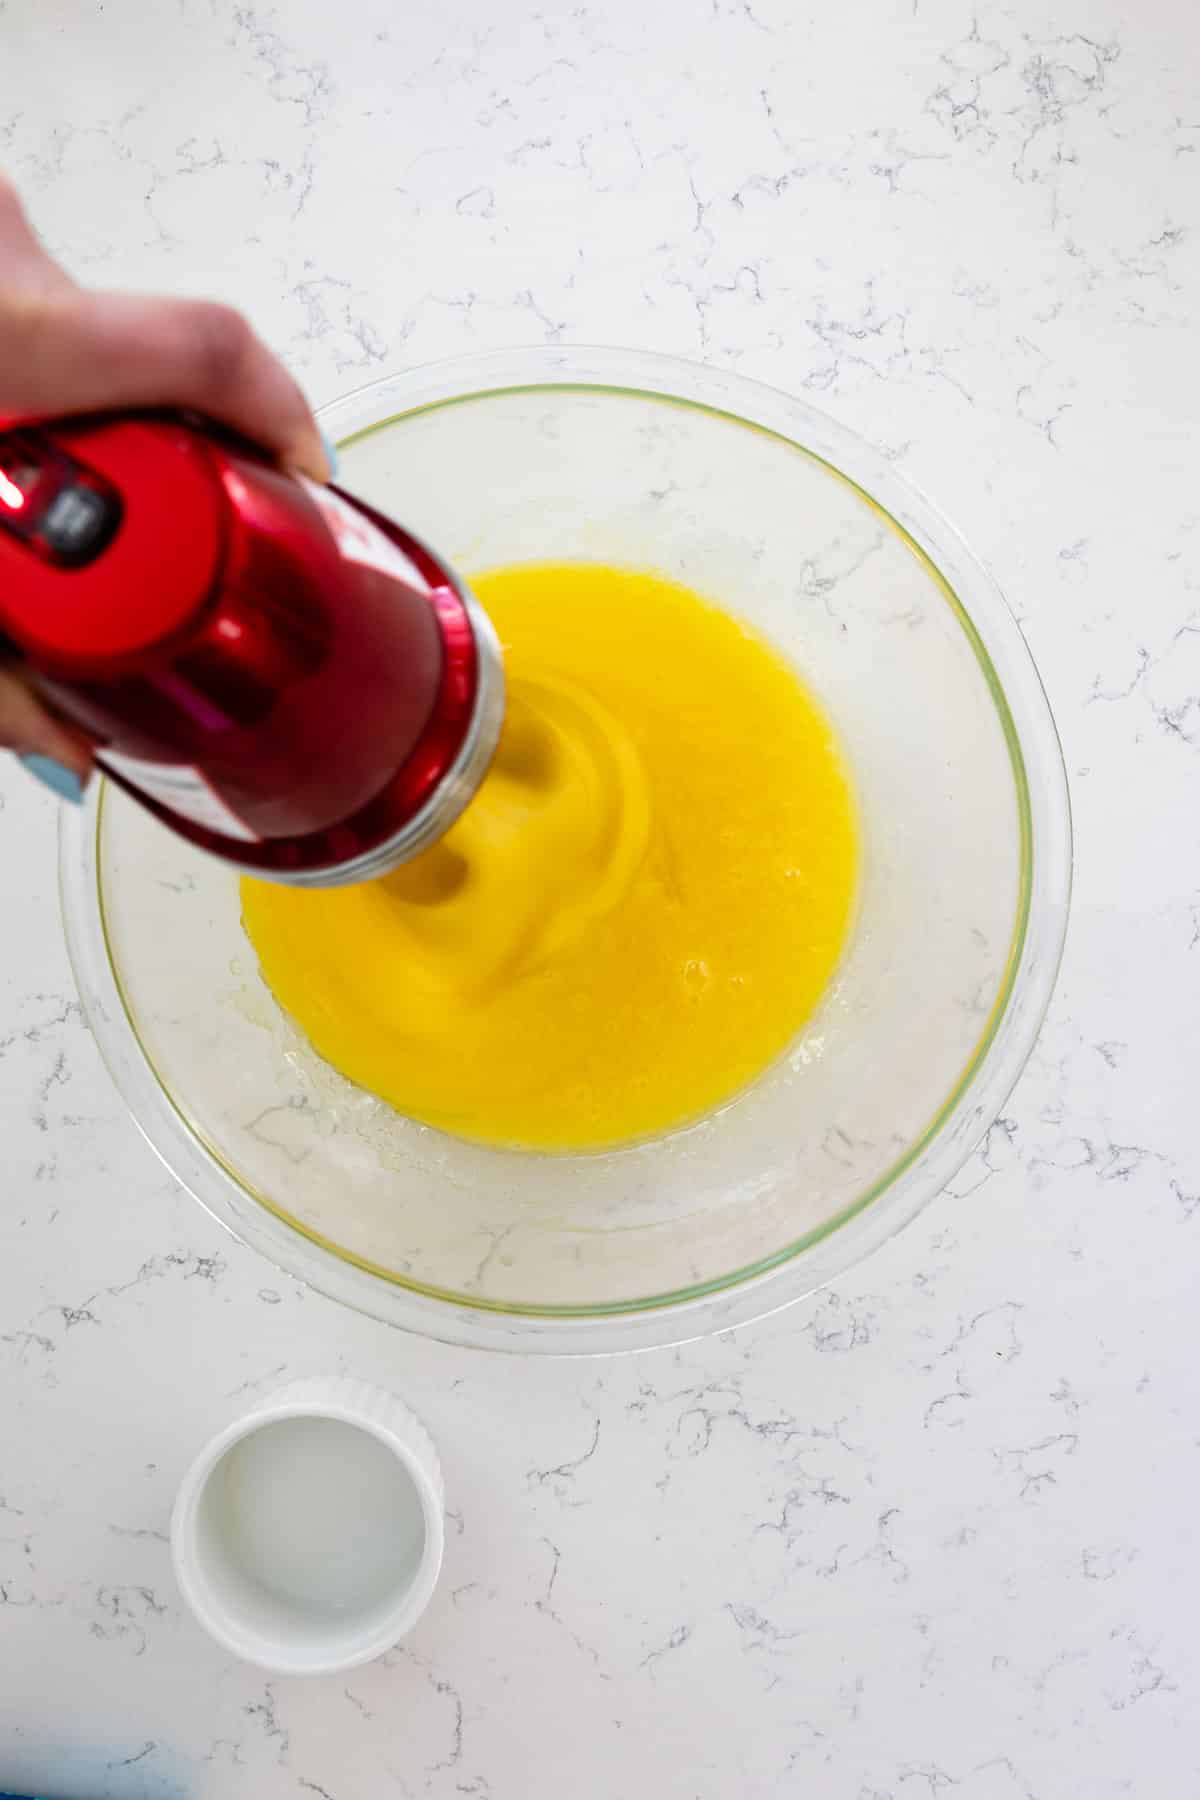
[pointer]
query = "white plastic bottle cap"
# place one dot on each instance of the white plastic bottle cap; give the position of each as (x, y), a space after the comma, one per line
(308, 1535)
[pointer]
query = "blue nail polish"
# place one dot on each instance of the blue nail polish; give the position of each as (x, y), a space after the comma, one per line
(53, 775)
(331, 453)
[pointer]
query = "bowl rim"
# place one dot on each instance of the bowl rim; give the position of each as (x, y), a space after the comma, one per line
(988, 1075)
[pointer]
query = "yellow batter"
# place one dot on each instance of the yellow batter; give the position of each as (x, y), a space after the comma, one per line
(634, 916)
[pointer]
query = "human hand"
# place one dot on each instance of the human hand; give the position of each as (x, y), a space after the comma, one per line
(65, 349)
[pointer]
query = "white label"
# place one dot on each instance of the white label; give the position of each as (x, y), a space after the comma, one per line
(360, 541)
(181, 789)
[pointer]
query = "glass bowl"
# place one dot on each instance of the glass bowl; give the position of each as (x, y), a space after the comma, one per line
(773, 510)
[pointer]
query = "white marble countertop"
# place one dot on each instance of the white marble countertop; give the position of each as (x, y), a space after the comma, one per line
(933, 1534)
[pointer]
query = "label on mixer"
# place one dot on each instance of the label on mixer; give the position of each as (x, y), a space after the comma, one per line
(181, 789)
(362, 542)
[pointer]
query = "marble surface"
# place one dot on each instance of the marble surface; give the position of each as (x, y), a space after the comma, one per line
(934, 1533)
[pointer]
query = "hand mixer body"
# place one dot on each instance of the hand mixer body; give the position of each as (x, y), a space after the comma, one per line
(275, 669)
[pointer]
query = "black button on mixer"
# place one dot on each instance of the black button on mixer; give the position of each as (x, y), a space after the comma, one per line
(78, 522)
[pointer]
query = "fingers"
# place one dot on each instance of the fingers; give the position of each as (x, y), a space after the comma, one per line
(84, 352)
(65, 350)
(25, 725)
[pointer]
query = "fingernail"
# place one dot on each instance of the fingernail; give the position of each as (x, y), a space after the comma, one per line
(331, 454)
(54, 775)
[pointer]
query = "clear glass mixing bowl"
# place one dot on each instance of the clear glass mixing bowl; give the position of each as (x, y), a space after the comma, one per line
(772, 509)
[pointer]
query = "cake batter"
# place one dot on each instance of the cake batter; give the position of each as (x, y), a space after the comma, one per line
(637, 912)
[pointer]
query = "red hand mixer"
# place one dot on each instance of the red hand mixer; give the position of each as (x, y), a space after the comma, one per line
(274, 668)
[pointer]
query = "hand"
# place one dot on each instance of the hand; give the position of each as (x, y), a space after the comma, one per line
(66, 350)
